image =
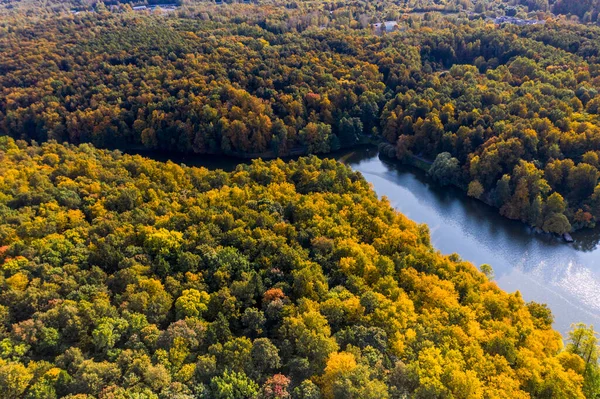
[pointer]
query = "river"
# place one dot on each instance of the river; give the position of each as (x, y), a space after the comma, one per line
(543, 268)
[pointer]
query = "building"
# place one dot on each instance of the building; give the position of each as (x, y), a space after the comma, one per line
(387, 26)
(516, 21)
(164, 7)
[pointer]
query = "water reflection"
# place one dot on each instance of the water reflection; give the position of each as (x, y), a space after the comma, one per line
(542, 267)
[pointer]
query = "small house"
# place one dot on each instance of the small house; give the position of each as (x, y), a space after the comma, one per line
(387, 26)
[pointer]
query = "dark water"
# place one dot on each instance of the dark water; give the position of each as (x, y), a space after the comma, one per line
(212, 162)
(543, 268)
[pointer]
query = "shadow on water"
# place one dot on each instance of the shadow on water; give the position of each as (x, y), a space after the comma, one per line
(213, 162)
(480, 215)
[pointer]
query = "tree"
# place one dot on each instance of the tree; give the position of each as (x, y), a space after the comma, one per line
(344, 378)
(232, 385)
(350, 130)
(149, 297)
(583, 342)
(276, 387)
(535, 214)
(403, 147)
(591, 158)
(595, 202)
(582, 180)
(41, 390)
(307, 390)
(156, 376)
(316, 137)
(487, 270)
(108, 332)
(14, 380)
(338, 366)
(191, 303)
(554, 220)
(265, 356)
(556, 223)
(445, 169)
(503, 191)
(235, 354)
(476, 190)
(555, 204)
(254, 320)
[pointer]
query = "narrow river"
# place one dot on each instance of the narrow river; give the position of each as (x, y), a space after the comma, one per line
(543, 268)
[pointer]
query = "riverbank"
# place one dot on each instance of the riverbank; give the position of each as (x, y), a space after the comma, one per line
(425, 165)
(224, 160)
(292, 153)
(541, 266)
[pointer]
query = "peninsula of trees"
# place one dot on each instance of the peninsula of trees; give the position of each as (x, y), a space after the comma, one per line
(122, 277)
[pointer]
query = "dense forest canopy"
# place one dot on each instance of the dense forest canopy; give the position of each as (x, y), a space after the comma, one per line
(123, 277)
(511, 112)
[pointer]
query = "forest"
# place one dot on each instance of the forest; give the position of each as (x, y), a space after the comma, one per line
(509, 114)
(123, 277)
(127, 278)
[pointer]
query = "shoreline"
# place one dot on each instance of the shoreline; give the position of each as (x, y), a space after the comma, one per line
(297, 152)
(420, 164)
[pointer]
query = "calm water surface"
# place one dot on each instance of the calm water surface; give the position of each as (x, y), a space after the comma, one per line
(543, 268)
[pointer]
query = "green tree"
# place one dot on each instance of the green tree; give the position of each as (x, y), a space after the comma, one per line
(316, 137)
(350, 130)
(583, 341)
(149, 297)
(265, 357)
(108, 332)
(232, 385)
(191, 303)
(556, 223)
(445, 169)
(503, 191)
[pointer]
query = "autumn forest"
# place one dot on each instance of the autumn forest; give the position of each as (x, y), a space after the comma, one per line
(122, 277)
